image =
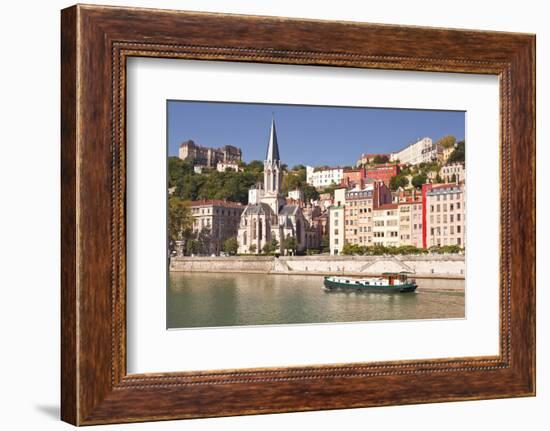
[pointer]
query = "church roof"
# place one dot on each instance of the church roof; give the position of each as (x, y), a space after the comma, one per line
(273, 147)
(288, 210)
(261, 208)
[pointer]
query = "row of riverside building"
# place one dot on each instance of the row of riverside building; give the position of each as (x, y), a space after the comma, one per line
(362, 211)
(371, 215)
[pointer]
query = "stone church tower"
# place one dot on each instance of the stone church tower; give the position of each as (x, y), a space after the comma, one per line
(267, 218)
(272, 173)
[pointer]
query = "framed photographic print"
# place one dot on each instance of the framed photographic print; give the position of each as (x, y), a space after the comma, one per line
(267, 215)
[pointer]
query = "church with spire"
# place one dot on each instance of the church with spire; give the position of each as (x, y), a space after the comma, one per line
(268, 217)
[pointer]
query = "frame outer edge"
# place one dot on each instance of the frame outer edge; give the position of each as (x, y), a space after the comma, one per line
(87, 399)
(69, 196)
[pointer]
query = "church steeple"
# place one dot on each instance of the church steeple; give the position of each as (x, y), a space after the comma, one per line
(273, 147)
(272, 172)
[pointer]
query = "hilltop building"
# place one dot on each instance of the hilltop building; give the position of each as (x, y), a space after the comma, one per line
(421, 151)
(368, 158)
(324, 176)
(383, 172)
(207, 156)
(453, 173)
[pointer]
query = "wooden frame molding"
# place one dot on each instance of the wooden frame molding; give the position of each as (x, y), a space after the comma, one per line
(95, 43)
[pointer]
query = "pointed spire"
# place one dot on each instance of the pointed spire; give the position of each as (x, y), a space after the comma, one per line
(273, 147)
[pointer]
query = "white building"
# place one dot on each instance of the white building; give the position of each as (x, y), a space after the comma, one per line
(422, 151)
(297, 195)
(336, 222)
(324, 176)
(453, 173)
(223, 166)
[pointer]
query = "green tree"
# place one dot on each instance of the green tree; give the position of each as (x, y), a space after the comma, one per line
(447, 141)
(252, 248)
(325, 244)
(267, 248)
(419, 179)
(271, 247)
(353, 249)
(459, 153)
(230, 246)
(380, 158)
(310, 193)
(193, 246)
(255, 166)
(204, 240)
(180, 222)
(290, 244)
(178, 168)
(398, 181)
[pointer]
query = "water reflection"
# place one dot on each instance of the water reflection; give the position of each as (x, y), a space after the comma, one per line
(207, 300)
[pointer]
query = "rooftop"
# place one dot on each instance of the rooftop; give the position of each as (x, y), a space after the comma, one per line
(215, 202)
(386, 207)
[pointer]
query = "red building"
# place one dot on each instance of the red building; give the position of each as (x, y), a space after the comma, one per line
(353, 177)
(383, 172)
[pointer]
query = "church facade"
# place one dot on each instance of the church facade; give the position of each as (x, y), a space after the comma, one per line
(268, 218)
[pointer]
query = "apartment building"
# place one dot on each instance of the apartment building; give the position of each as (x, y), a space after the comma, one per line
(336, 222)
(217, 217)
(360, 204)
(444, 215)
(386, 225)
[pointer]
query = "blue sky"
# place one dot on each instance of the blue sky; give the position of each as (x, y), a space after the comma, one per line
(308, 135)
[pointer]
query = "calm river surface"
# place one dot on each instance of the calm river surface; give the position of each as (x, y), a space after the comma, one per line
(206, 300)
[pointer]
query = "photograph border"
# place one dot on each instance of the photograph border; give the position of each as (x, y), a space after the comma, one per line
(95, 43)
(167, 254)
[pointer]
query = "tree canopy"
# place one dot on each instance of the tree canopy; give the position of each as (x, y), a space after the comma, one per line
(447, 141)
(230, 246)
(180, 221)
(419, 179)
(459, 154)
(380, 158)
(398, 181)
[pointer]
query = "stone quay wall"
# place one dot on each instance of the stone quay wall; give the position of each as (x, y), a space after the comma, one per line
(423, 266)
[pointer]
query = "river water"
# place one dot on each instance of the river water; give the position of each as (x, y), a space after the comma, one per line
(222, 299)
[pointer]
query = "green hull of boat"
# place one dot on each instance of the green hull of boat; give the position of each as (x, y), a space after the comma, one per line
(334, 285)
